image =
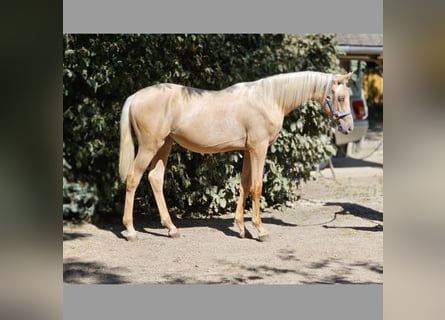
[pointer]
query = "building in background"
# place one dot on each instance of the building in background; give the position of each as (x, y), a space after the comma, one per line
(362, 54)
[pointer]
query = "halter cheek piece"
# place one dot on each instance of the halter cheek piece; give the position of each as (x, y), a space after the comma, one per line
(328, 101)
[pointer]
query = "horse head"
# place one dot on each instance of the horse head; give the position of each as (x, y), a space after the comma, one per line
(337, 103)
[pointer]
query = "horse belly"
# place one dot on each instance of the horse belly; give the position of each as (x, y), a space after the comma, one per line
(210, 135)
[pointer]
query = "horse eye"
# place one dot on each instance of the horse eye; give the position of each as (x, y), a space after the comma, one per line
(341, 98)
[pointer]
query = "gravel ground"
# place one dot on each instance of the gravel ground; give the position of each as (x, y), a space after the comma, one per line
(332, 234)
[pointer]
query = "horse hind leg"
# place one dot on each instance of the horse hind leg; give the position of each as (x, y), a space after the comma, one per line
(156, 178)
(134, 176)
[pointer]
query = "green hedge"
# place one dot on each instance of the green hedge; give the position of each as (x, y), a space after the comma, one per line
(100, 71)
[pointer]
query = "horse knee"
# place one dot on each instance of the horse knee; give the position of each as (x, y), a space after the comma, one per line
(131, 184)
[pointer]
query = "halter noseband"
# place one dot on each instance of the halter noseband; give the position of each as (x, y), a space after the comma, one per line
(328, 101)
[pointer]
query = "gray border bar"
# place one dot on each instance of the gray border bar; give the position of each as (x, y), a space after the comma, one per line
(228, 16)
(223, 302)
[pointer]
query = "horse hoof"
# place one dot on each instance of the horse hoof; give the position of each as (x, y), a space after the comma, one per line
(264, 237)
(173, 233)
(130, 236)
(245, 234)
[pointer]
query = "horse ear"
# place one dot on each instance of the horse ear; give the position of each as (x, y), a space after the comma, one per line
(340, 78)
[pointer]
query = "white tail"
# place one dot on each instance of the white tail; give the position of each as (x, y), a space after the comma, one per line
(126, 154)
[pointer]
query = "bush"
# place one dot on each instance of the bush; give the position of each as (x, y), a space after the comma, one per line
(100, 71)
(79, 199)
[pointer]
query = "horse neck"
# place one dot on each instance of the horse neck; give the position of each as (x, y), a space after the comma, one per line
(298, 88)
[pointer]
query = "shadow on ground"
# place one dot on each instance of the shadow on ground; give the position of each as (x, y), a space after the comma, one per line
(142, 222)
(354, 163)
(67, 236)
(300, 272)
(152, 221)
(358, 211)
(77, 272)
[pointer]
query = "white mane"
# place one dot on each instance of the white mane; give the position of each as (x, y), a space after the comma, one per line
(290, 90)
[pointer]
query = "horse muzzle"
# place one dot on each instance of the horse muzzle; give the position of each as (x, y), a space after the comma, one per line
(345, 127)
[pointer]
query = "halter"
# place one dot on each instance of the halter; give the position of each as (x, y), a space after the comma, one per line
(328, 101)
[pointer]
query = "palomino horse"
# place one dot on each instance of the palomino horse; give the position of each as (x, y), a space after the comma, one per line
(246, 116)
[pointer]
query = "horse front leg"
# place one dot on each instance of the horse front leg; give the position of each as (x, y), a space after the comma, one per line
(246, 182)
(257, 159)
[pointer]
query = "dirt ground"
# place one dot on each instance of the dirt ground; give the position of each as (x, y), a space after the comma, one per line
(332, 234)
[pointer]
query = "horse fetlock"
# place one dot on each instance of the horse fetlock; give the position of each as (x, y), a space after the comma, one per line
(128, 222)
(167, 222)
(241, 228)
(130, 235)
(242, 232)
(264, 237)
(173, 233)
(257, 224)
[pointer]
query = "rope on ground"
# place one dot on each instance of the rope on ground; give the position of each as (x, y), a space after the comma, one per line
(373, 151)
